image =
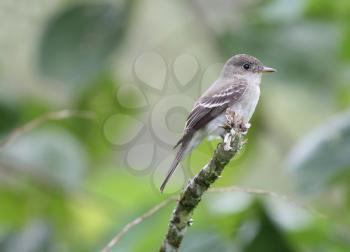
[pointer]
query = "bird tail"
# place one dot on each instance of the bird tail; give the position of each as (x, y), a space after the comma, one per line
(179, 156)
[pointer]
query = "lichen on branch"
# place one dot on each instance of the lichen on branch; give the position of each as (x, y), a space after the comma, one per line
(192, 194)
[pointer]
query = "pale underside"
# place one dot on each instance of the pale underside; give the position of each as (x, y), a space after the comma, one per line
(244, 108)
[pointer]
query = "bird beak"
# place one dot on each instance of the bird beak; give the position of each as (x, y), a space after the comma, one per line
(265, 69)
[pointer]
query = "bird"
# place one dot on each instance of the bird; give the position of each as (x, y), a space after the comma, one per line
(237, 88)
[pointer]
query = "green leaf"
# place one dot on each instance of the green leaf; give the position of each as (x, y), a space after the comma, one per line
(52, 154)
(322, 155)
(9, 114)
(35, 236)
(320, 9)
(268, 237)
(205, 241)
(345, 45)
(78, 41)
(328, 10)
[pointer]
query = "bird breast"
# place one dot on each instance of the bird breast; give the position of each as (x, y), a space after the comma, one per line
(244, 107)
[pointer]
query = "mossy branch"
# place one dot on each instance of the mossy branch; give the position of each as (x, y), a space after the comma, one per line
(192, 194)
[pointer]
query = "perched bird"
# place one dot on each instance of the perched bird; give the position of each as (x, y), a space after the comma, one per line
(237, 88)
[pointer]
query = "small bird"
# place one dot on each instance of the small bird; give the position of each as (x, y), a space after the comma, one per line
(237, 89)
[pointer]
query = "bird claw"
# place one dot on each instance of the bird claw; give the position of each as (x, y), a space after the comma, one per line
(234, 126)
(235, 122)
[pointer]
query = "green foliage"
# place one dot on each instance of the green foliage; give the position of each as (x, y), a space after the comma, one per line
(267, 232)
(65, 187)
(323, 155)
(335, 10)
(78, 41)
(10, 116)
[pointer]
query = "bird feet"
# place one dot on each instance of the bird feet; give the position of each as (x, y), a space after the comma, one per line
(235, 123)
(234, 126)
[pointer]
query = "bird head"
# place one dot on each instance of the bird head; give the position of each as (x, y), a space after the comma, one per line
(245, 65)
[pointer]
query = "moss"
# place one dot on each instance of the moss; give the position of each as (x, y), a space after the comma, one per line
(193, 193)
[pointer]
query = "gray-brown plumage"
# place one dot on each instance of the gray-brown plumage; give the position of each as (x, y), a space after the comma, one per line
(236, 88)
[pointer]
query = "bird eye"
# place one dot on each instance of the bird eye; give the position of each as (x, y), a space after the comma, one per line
(246, 66)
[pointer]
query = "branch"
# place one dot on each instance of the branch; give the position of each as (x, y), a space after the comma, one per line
(160, 206)
(137, 221)
(195, 189)
(271, 194)
(36, 122)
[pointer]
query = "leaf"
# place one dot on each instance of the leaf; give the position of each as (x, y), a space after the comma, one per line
(266, 233)
(35, 236)
(9, 115)
(52, 155)
(78, 41)
(205, 241)
(328, 10)
(320, 9)
(345, 45)
(323, 154)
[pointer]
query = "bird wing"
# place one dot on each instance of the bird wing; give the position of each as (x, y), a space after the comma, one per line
(210, 106)
(205, 110)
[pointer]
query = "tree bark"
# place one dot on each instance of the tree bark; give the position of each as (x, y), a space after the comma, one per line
(192, 194)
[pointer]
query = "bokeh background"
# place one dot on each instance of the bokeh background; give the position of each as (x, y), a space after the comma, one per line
(137, 66)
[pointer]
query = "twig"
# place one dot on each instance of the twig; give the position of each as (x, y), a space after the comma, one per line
(36, 122)
(269, 194)
(163, 204)
(137, 221)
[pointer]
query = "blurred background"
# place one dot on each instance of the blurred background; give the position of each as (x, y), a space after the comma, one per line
(126, 74)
